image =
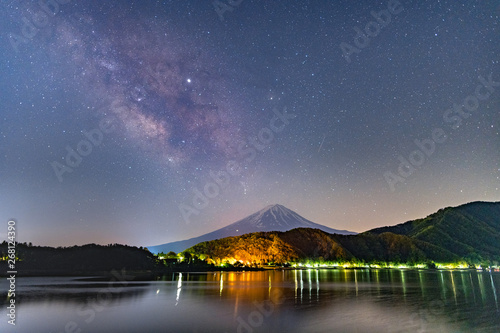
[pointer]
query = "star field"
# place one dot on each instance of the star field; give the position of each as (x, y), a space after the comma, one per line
(149, 122)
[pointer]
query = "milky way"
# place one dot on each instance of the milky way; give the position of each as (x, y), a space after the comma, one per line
(164, 91)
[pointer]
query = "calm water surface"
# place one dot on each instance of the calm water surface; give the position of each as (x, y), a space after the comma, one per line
(270, 301)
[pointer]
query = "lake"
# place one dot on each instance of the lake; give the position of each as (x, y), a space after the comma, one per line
(313, 300)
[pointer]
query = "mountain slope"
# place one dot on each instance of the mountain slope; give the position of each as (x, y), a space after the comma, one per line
(315, 244)
(270, 218)
(469, 231)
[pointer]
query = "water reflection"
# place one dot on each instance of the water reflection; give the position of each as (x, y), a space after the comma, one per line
(221, 284)
(279, 301)
(494, 291)
(403, 282)
(179, 288)
(453, 287)
(421, 281)
(481, 287)
(70, 290)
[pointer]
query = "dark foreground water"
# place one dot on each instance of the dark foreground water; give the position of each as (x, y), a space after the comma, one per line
(271, 301)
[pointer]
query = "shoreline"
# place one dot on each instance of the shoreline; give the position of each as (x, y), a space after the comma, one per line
(153, 274)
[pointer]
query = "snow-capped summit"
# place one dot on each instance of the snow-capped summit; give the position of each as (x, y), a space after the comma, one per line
(270, 218)
(276, 218)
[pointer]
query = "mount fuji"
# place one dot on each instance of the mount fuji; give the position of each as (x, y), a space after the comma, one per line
(270, 218)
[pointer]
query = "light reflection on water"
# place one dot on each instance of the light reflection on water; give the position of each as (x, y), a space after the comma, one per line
(278, 301)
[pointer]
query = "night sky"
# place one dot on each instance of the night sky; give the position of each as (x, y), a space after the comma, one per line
(144, 122)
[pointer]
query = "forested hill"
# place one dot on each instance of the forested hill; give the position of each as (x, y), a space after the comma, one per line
(77, 260)
(468, 233)
(313, 244)
(471, 230)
